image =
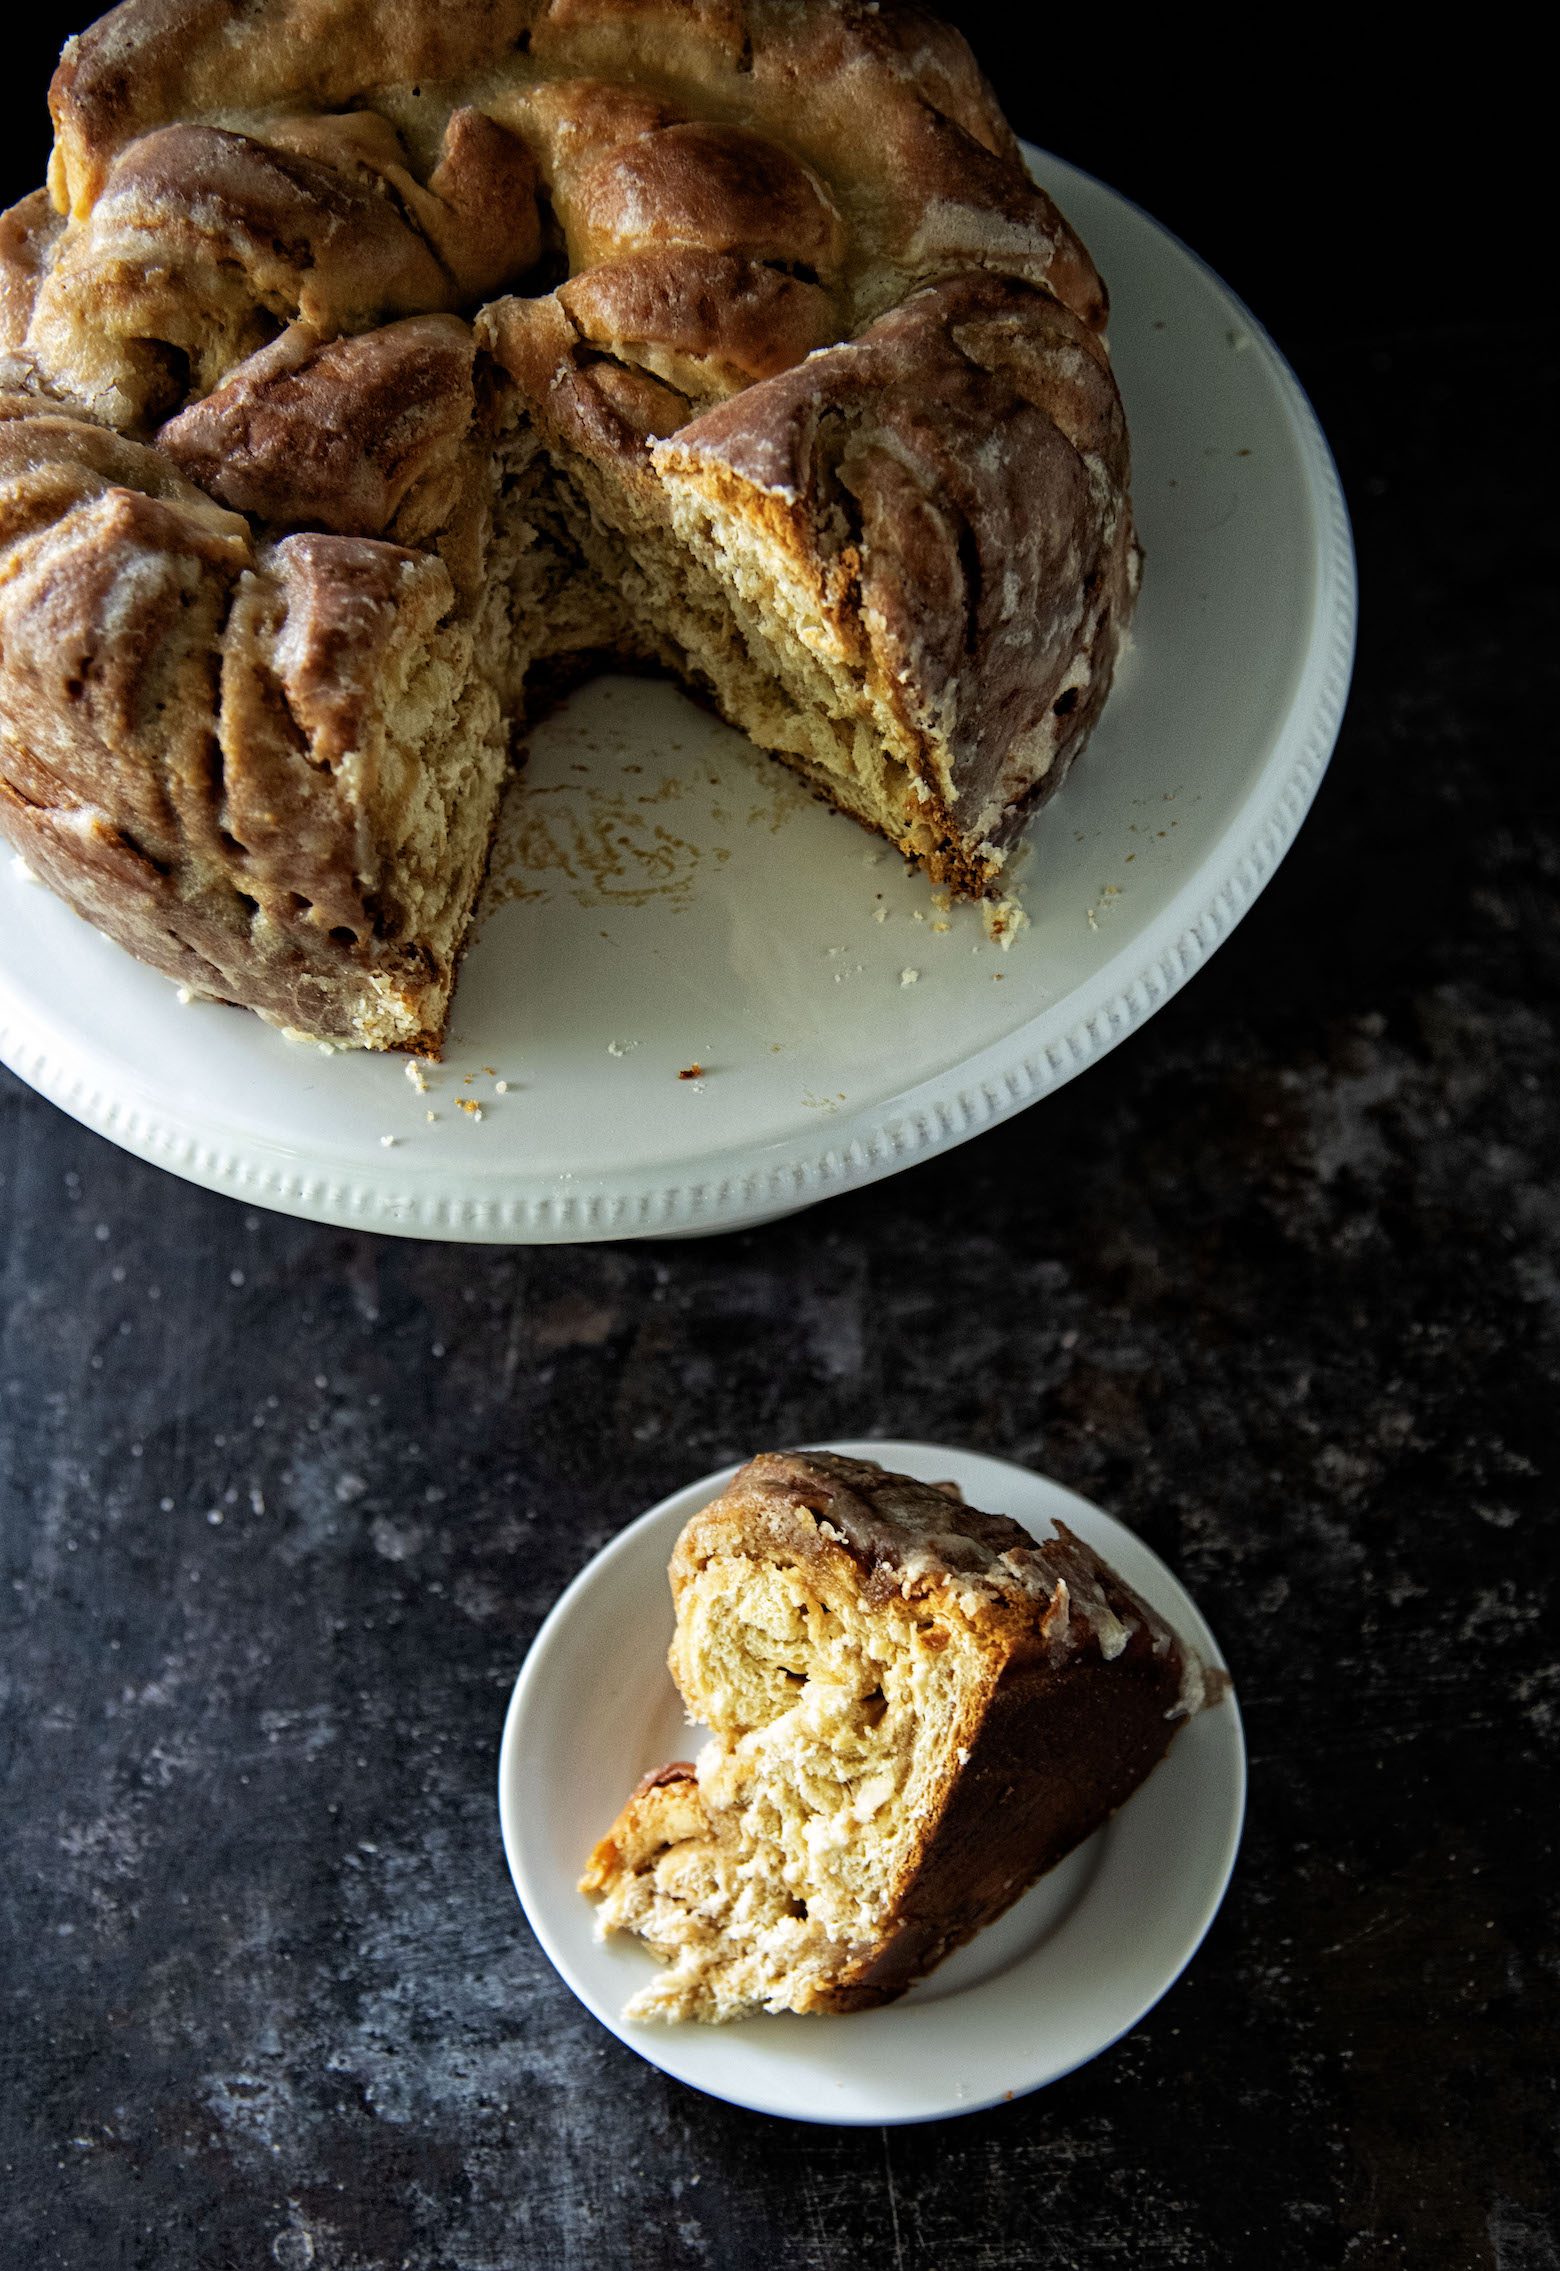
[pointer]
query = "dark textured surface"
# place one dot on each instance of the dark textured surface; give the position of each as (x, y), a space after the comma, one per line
(1278, 1282)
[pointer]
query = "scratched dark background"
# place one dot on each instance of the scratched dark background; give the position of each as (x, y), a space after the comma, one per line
(1278, 1282)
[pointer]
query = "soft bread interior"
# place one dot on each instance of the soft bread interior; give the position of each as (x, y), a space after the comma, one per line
(792, 671)
(442, 756)
(835, 1736)
(438, 730)
(711, 591)
(577, 563)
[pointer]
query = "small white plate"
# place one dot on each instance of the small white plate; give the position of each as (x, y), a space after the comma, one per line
(663, 895)
(1067, 1971)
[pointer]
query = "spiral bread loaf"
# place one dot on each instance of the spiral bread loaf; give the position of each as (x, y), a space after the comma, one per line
(914, 1709)
(369, 372)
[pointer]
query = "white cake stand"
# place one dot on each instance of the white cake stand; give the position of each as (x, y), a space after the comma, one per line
(663, 896)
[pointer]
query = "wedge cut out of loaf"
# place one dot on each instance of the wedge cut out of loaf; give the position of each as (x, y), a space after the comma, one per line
(915, 1711)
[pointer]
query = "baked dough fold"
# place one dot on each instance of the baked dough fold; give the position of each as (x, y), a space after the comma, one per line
(731, 339)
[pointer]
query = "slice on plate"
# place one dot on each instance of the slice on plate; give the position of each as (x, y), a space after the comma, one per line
(915, 1711)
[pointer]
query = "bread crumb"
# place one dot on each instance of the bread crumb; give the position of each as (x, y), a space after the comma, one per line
(942, 926)
(414, 1073)
(1004, 919)
(470, 1105)
(501, 1087)
(695, 1071)
(430, 1117)
(183, 996)
(387, 1142)
(1103, 904)
(908, 977)
(880, 914)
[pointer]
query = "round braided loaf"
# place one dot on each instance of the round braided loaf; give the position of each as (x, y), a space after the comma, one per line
(371, 372)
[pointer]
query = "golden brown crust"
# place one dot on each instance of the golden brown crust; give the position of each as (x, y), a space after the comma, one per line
(573, 124)
(881, 103)
(783, 251)
(717, 188)
(148, 61)
(601, 410)
(708, 322)
(478, 208)
(336, 434)
(203, 242)
(28, 233)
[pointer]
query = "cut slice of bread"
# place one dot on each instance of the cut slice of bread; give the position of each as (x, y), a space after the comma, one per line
(915, 1711)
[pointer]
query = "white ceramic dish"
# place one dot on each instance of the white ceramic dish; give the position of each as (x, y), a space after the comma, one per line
(1066, 1972)
(662, 895)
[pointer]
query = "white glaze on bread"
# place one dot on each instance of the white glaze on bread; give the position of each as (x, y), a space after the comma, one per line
(733, 339)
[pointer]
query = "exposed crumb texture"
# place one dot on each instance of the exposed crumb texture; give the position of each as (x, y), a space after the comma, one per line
(339, 440)
(915, 1711)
